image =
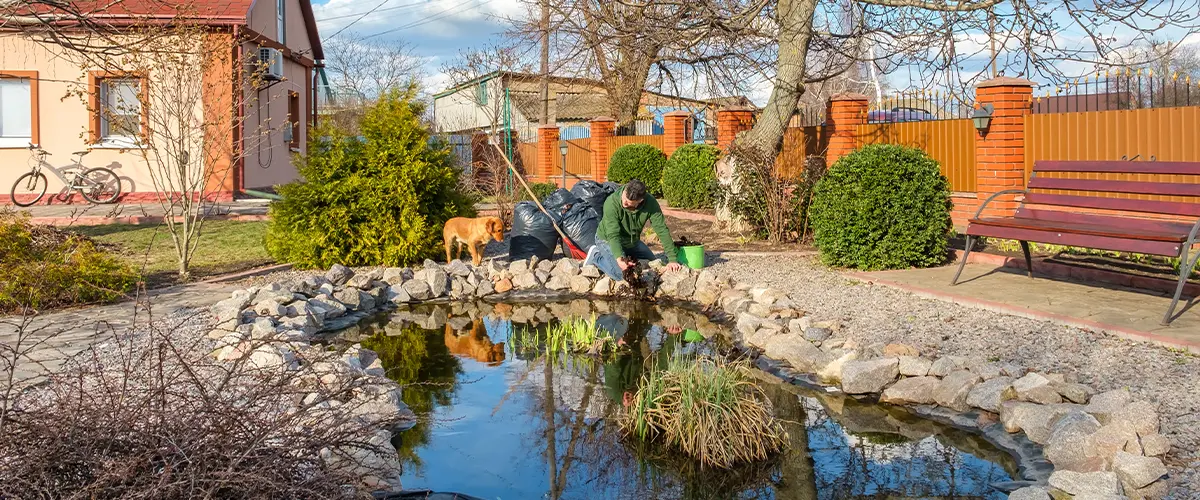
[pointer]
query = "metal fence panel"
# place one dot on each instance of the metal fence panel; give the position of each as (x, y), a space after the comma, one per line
(950, 142)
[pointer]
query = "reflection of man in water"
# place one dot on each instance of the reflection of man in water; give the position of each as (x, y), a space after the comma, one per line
(474, 344)
(621, 375)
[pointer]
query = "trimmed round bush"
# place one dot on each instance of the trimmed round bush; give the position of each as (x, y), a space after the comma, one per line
(638, 161)
(690, 177)
(882, 207)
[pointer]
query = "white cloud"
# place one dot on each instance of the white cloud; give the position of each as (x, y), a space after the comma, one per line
(439, 18)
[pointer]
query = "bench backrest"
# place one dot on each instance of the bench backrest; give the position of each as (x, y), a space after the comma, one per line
(1094, 187)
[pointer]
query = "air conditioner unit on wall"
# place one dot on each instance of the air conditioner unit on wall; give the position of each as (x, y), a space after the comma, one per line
(272, 61)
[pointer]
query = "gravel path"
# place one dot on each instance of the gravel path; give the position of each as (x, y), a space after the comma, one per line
(870, 314)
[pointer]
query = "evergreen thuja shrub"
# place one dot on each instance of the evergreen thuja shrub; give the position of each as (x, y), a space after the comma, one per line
(638, 161)
(376, 199)
(882, 207)
(690, 177)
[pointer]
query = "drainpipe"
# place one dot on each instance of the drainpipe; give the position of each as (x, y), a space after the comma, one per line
(239, 93)
(261, 194)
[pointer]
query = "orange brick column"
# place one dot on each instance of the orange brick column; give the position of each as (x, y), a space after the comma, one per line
(675, 131)
(602, 130)
(1000, 151)
(843, 114)
(548, 161)
(732, 121)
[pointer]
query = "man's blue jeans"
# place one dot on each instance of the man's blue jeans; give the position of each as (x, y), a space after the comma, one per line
(605, 260)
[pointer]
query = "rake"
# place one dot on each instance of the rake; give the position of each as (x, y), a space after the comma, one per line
(572, 248)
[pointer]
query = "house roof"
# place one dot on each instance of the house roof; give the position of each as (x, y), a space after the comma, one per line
(565, 106)
(211, 12)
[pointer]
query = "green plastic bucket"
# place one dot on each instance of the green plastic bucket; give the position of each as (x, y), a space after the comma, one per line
(692, 256)
(690, 335)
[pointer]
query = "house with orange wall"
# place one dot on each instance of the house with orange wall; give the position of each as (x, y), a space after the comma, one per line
(37, 80)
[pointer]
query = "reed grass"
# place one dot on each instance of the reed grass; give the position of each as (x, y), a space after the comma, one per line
(710, 410)
(569, 336)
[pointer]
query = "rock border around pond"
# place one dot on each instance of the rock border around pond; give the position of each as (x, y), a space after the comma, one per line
(1100, 445)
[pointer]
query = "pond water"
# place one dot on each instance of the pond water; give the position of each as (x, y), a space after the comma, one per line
(502, 425)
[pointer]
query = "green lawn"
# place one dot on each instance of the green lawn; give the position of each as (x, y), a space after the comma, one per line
(225, 247)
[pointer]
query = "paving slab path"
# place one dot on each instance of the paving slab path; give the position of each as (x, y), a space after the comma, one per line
(62, 334)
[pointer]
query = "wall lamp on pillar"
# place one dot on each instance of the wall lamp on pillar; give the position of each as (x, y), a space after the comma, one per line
(983, 118)
(562, 148)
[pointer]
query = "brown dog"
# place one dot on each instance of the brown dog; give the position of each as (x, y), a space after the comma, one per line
(475, 344)
(474, 233)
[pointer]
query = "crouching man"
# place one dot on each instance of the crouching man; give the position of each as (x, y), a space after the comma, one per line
(619, 238)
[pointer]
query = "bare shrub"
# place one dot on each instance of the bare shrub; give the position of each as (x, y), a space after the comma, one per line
(151, 414)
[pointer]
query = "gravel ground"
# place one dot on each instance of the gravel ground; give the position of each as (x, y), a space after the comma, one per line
(870, 314)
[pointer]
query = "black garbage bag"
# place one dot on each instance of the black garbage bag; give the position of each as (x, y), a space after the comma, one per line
(559, 201)
(579, 224)
(532, 233)
(593, 193)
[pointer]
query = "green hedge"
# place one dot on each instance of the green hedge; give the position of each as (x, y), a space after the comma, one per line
(882, 207)
(378, 199)
(42, 267)
(638, 161)
(690, 177)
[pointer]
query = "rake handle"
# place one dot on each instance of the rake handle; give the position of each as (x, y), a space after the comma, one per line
(513, 169)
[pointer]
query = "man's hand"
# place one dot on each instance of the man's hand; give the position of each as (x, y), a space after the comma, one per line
(624, 263)
(674, 329)
(674, 266)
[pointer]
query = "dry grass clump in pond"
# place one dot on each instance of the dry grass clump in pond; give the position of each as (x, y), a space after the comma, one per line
(575, 335)
(710, 410)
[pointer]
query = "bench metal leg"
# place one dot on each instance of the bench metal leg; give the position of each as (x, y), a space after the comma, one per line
(1185, 271)
(963, 262)
(1028, 259)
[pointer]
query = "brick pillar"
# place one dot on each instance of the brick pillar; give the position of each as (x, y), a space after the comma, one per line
(843, 114)
(675, 131)
(732, 121)
(1000, 151)
(602, 130)
(548, 158)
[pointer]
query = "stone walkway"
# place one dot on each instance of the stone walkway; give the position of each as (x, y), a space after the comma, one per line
(60, 335)
(134, 213)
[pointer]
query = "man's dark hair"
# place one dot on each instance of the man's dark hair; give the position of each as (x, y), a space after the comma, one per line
(635, 190)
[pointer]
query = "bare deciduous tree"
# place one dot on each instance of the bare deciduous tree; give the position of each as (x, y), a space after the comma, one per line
(473, 65)
(360, 69)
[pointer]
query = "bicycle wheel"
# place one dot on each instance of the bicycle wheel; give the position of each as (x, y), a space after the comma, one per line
(99, 185)
(29, 188)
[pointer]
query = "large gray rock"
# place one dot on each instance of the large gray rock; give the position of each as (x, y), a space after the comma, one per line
(350, 297)
(581, 284)
(913, 366)
(748, 323)
(817, 334)
(397, 275)
(1155, 445)
(1075, 393)
(1104, 405)
(1086, 483)
(418, 289)
(366, 301)
(800, 353)
(525, 281)
(709, 287)
(360, 281)
(1138, 416)
(870, 376)
(542, 276)
(763, 335)
(398, 295)
(438, 280)
(333, 309)
(566, 268)
(263, 328)
(458, 268)
(518, 266)
(988, 371)
(946, 364)
(952, 392)
(1032, 418)
(679, 284)
(1137, 471)
(990, 394)
(274, 292)
(1030, 493)
(1070, 444)
(269, 308)
(543, 265)
(1035, 388)
(272, 357)
(591, 271)
(558, 282)
(339, 274)
(604, 286)
(484, 288)
(767, 296)
(912, 390)
(310, 285)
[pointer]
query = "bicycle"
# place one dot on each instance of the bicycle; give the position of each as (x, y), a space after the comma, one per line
(98, 185)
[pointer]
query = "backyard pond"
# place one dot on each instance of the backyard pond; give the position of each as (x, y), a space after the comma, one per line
(498, 421)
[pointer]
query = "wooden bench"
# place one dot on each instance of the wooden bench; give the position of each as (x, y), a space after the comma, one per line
(1061, 219)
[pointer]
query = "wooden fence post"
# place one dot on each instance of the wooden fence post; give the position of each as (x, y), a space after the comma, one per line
(1000, 151)
(548, 157)
(844, 113)
(602, 130)
(730, 122)
(675, 131)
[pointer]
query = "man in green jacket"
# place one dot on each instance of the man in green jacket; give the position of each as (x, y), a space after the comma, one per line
(619, 237)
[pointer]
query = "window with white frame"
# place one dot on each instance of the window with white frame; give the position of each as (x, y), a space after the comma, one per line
(121, 110)
(16, 115)
(280, 27)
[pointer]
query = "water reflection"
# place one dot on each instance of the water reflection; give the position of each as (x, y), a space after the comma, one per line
(505, 425)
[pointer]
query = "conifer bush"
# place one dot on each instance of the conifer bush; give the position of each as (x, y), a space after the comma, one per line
(376, 199)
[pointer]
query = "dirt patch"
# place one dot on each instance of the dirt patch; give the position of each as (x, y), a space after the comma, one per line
(714, 241)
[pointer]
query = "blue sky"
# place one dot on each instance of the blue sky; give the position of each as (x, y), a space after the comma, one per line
(439, 29)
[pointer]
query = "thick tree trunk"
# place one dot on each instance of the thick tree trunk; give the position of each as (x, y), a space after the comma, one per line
(795, 18)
